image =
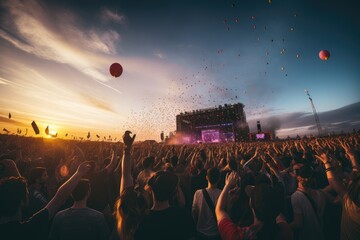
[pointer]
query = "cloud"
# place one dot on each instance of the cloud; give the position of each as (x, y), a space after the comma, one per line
(11, 121)
(4, 81)
(98, 103)
(62, 37)
(341, 119)
(107, 15)
(34, 31)
(160, 55)
(44, 99)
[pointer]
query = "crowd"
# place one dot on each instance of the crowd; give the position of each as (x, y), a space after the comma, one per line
(294, 189)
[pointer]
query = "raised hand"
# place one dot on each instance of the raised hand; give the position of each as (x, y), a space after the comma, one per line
(128, 140)
(350, 152)
(322, 155)
(114, 148)
(231, 179)
(83, 168)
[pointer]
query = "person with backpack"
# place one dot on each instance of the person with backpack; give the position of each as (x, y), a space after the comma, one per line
(203, 207)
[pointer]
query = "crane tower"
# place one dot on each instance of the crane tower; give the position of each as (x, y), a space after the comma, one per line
(315, 113)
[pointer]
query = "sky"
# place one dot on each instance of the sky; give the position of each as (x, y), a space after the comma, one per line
(177, 56)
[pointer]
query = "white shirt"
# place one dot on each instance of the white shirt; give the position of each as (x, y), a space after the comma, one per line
(206, 223)
(311, 227)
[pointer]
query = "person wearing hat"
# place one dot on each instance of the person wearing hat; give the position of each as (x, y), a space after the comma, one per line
(266, 203)
(308, 207)
(163, 220)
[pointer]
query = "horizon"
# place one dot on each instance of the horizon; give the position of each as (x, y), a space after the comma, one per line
(272, 124)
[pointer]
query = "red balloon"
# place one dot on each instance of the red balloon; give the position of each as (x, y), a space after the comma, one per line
(116, 70)
(324, 55)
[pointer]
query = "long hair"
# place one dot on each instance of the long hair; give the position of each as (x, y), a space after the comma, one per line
(12, 192)
(268, 209)
(129, 211)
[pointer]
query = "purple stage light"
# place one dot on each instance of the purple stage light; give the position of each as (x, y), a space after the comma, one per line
(211, 135)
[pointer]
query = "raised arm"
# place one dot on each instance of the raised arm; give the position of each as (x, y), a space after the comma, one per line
(333, 179)
(230, 182)
(113, 162)
(253, 157)
(271, 163)
(66, 188)
(126, 177)
(351, 155)
(304, 150)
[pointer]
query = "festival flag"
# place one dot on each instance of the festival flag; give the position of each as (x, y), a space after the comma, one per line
(35, 127)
